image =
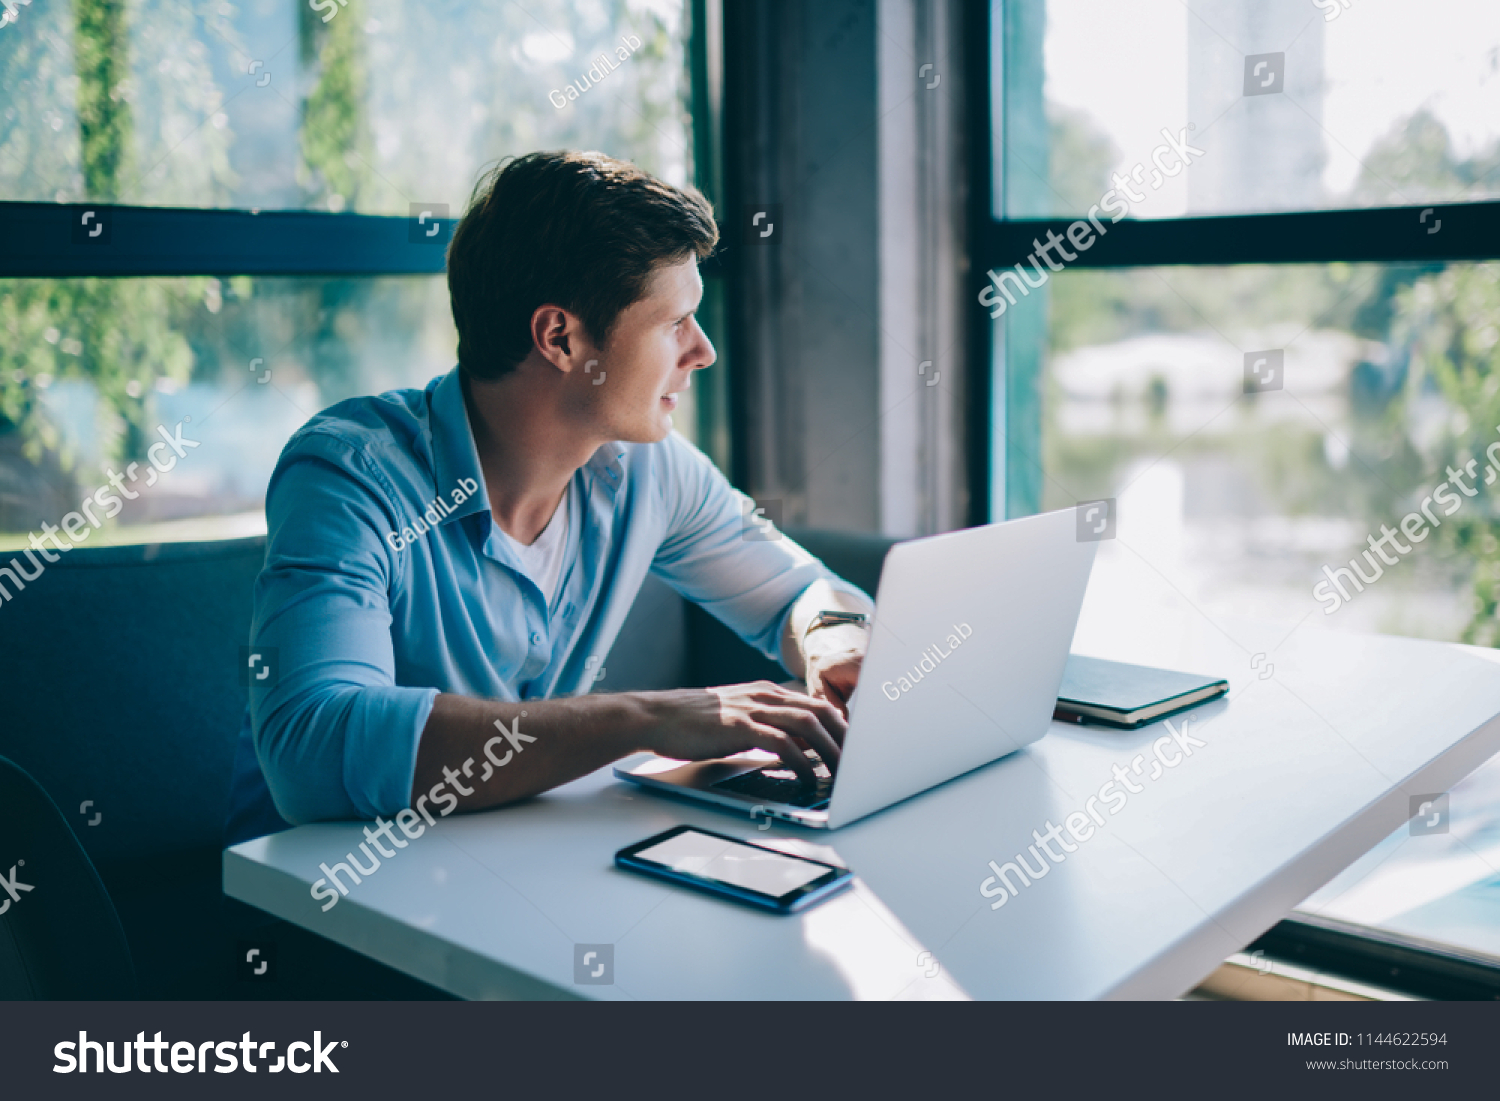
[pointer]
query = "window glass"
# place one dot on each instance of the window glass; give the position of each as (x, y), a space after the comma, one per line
(1286, 104)
(330, 105)
(362, 105)
(90, 369)
(1257, 426)
(1437, 877)
(236, 365)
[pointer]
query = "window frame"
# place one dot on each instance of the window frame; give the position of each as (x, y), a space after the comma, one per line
(1391, 234)
(166, 241)
(147, 241)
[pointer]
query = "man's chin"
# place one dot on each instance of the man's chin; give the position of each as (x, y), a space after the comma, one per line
(654, 430)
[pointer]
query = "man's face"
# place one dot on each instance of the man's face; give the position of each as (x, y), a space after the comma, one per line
(653, 350)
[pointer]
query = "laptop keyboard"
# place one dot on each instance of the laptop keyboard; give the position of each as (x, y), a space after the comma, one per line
(782, 785)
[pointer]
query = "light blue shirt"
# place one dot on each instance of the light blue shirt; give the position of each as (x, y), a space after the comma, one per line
(387, 581)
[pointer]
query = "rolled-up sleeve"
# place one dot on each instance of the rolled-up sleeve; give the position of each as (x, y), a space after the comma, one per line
(749, 584)
(335, 735)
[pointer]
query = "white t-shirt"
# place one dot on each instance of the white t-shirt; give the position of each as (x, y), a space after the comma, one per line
(543, 560)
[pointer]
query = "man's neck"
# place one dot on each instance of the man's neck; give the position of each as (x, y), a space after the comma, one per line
(528, 448)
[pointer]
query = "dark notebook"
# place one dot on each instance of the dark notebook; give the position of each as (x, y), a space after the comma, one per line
(1116, 694)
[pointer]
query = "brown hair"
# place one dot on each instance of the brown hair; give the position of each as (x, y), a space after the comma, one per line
(583, 231)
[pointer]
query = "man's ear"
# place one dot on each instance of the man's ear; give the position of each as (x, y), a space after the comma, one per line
(557, 334)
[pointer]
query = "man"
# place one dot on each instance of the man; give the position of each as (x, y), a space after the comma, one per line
(448, 561)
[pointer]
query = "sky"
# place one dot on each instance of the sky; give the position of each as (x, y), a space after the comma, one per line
(1125, 65)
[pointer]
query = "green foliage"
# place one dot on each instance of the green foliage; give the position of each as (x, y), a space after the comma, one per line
(336, 150)
(1415, 162)
(1081, 156)
(114, 333)
(1096, 306)
(445, 105)
(38, 126)
(99, 50)
(121, 101)
(180, 114)
(1451, 323)
(83, 86)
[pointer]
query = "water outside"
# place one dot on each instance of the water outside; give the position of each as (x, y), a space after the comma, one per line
(1239, 500)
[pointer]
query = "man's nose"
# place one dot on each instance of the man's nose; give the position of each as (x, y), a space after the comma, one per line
(704, 353)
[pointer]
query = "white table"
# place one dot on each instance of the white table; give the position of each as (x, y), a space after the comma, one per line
(1309, 763)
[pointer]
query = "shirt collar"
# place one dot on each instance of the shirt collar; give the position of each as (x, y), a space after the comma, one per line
(455, 459)
(606, 462)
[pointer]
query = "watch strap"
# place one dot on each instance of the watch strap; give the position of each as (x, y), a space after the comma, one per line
(831, 618)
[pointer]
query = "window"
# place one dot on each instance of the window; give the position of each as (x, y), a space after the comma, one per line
(1279, 350)
(366, 106)
(1244, 497)
(1295, 106)
(239, 362)
(174, 301)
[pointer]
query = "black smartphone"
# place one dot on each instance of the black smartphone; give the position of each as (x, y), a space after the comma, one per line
(735, 869)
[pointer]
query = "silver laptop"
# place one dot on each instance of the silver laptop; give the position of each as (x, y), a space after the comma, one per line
(967, 651)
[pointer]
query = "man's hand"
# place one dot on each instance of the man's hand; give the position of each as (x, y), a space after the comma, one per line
(833, 656)
(571, 737)
(699, 724)
(828, 659)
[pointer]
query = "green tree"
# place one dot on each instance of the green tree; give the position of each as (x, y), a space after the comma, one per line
(1081, 156)
(336, 150)
(1451, 323)
(118, 101)
(76, 71)
(1415, 162)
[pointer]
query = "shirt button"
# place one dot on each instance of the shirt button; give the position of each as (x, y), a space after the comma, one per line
(536, 638)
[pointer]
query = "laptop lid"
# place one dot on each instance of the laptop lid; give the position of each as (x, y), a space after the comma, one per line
(969, 642)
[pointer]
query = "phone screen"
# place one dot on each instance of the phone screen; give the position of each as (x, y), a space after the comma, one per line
(726, 861)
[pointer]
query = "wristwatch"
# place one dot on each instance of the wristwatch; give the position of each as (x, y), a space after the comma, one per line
(835, 619)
